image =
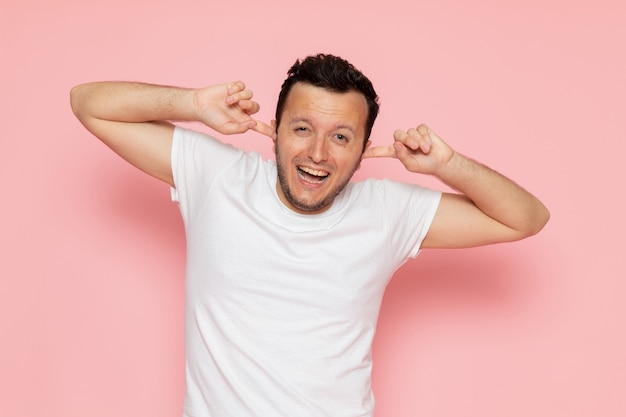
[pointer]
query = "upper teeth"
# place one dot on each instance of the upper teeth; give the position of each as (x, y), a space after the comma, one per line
(314, 172)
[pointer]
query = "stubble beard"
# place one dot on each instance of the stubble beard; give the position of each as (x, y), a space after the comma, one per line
(304, 205)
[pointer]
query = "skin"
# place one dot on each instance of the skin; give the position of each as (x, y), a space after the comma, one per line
(322, 133)
(318, 146)
(133, 118)
(489, 207)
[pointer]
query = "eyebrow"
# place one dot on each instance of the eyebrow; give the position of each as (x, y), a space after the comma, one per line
(308, 121)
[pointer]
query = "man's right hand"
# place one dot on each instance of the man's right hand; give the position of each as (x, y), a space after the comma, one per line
(133, 118)
(227, 108)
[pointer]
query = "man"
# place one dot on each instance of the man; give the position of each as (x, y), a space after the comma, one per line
(287, 260)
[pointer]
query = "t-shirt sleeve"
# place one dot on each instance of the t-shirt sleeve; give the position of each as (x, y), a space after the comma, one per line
(197, 159)
(428, 204)
(411, 209)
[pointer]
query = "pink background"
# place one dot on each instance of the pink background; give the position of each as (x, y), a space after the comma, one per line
(92, 251)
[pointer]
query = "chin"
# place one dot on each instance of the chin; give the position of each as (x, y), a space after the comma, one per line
(306, 206)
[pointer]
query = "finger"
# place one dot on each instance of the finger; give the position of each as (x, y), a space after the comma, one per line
(380, 152)
(235, 87)
(401, 136)
(249, 106)
(244, 95)
(415, 139)
(424, 130)
(427, 134)
(408, 138)
(422, 141)
(402, 152)
(264, 129)
(239, 96)
(231, 128)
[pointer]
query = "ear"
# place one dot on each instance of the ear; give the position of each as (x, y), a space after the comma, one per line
(273, 126)
(367, 145)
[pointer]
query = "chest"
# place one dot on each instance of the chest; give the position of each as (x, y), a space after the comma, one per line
(242, 256)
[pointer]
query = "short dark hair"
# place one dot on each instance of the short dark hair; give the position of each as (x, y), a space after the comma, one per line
(334, 74)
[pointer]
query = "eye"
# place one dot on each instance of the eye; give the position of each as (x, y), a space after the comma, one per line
(341, 137)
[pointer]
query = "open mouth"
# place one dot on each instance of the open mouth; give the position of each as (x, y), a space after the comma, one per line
(312, 175)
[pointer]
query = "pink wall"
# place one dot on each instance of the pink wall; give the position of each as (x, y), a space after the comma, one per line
(92, 252)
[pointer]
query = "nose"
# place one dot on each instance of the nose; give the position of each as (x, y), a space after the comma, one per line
(318, 149)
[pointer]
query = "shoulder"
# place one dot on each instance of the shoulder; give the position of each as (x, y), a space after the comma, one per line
(188, 138)
(391, 191)
(392, 200)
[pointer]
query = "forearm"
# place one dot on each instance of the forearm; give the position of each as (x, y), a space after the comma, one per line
(495, 195)
(132, 102)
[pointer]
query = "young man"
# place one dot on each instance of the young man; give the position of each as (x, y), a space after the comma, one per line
(287, 260)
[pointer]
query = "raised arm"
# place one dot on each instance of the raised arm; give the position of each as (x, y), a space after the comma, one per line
(133, 119)
(490, 207)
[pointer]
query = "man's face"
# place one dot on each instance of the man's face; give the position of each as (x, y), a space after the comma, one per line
(318, 146)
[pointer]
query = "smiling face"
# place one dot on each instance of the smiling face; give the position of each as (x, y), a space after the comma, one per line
(318, 146)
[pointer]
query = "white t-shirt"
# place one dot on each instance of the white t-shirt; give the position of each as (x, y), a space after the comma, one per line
(281, 308)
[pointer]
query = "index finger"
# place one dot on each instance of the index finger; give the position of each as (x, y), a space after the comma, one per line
(264, 129)
(380, 152)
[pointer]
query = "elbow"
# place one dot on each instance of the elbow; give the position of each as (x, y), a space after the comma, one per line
(76, 94)
(545, 216)
(537, 221)
(542, 218)
(81, 101)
